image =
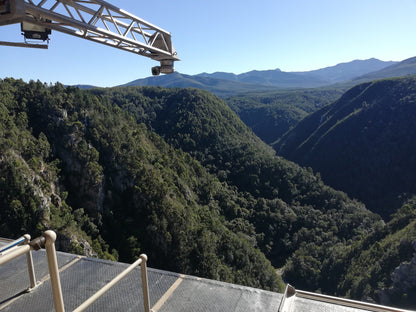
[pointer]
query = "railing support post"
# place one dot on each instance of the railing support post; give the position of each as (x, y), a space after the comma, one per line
(30, 267)
(114, 281)
(58, 301)
(143, 267)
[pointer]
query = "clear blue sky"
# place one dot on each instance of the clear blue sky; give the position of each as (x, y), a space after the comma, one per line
(229, 35)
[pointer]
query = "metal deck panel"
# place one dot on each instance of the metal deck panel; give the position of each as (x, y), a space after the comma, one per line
(302, 304)
(169, 292)
(196, 294)
(14, 277)
(86, 276)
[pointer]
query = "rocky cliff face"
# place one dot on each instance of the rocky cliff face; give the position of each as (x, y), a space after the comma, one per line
(71, 242)
(404, 282)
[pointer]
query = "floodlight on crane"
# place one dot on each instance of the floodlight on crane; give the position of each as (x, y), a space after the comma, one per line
(94, 20)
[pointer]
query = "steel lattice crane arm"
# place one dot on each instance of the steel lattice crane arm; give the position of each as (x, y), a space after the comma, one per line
(94, 20)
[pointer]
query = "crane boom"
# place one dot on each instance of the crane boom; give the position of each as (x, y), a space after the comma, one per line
(95, 20)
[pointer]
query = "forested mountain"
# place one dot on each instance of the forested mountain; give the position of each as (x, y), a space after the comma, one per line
(176, 174)
(220, 87)
(83, 167)
(272, 114)
(373, 267)
(228, 84)
(363, 143)
(404, 68)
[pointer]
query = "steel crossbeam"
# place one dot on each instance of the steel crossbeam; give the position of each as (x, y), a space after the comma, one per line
(95, 20)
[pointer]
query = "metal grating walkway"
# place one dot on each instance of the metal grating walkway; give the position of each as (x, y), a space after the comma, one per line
(81, 277)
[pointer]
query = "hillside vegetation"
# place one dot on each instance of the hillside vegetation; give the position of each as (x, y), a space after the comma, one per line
(173, 173)
(363, 143)
(272, 114)
(289, 207)
(88, 170)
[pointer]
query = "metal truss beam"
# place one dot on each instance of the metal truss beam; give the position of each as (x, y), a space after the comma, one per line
(95, 20)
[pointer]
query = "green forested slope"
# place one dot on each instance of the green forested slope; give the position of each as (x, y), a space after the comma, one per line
(272, 114)
(381, 255)
(289, 207)
(139, 193)
(373, 267)
(363, 143)
(175, 174)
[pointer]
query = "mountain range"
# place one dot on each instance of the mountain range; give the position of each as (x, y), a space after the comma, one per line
(404, 68)
(314, 78)
(227, 84)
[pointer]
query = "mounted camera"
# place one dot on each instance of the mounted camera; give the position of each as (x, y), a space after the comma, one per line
(166, 67)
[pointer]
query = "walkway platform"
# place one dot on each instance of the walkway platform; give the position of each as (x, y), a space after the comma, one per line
(81, 277)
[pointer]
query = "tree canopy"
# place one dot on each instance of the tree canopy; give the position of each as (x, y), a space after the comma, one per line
(176, 174)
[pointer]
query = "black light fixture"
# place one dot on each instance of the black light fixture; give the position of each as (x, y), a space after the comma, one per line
(36, 32)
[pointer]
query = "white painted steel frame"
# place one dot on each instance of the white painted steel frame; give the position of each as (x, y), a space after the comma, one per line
(98, 21)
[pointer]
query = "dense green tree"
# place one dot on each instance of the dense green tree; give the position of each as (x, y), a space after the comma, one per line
(272, 114)
(119, 186)
(287, 207)
(176, 174)
(363, 143)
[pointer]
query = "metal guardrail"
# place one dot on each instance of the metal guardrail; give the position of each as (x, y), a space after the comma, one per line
(16, 249)
(23, 245)
(142, 262)
(12, 244)
(287, 299)
(291, 294)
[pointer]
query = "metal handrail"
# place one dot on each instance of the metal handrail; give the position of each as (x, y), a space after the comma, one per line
(12, 244)
(14, 250)
(291, 294)
(142, 262)
(348, 302)
(287, 299)
(50, 238)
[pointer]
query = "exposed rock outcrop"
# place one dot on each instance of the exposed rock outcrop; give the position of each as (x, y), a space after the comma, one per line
(404, 281)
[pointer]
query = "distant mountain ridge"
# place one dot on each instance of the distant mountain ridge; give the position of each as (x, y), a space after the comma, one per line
(274, 77)
(404, 68)
(220, 87)
(350, 70)
(225, 84)
(319, 77)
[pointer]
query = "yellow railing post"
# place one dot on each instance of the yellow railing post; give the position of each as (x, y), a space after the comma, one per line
(48, 238)
(145, 285)
(30, 267)
(58, 301)
(114, 281)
